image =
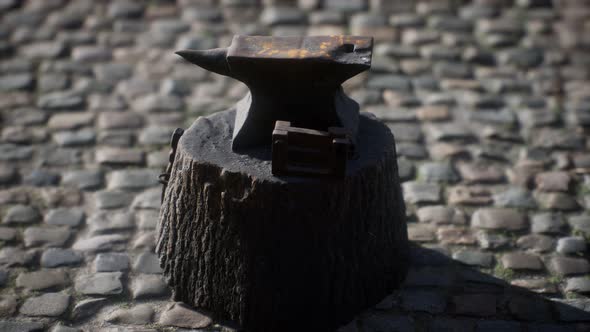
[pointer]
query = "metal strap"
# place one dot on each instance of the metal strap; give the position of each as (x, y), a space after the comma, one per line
(164, 178)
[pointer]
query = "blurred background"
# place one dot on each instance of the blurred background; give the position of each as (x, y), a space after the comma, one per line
(488, 100)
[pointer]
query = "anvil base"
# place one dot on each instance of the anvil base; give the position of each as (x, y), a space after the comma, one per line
(281, 253)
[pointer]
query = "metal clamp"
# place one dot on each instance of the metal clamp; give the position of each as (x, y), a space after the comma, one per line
(163, 178)
(302, 151)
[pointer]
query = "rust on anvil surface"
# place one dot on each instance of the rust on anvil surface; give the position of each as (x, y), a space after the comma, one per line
(294, 79)
(347, 49)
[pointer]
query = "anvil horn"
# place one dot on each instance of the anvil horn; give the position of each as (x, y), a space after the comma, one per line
(213, 60)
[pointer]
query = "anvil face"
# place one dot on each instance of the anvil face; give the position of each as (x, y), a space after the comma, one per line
(295, 79)
(331, 59)
(341, 49)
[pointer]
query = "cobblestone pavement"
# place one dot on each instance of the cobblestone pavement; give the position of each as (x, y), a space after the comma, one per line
(489, 103)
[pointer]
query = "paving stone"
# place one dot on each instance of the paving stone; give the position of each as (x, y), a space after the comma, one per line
(521, 261)
(49, 304)
(557, 139)
(56, 257)
(70, 120)
(491, 241)
(149, 199)
(88, 307)
(580, 223)
(61, 100)
(536, 243)
(148, 263)
(157, 103)
(571, 245)
(8, 174)
(455, 235)
(21, 214)
(103, 283)
(481, 173)
(7, 234)
(515, 197)
(119, 157)
(578, 285)
(63, 328)
(83, 179)
(472, 257)
(108, 222)
(111, 262)
(440, 214)
(180, 315)
(52, 82)
(147, 219)
(437, 172)
(14, 196)
(498, 219)
(547, 223)
(417, 192)
(469, 195)
(282, 15)
(137, 315)
(14, 326)
(145, 241)
(44, 279)
(11, 152)
(112, 199)
(65, 217)
(43, 50)
(119, 120)
(16, 82)
(61, 157)
(41, 177)
(557, 201)
(8, 305)
(567, 266)
(148, 286)
(542, 286)
(472, 92)
(411, 150)
(74, 138)
(12, 256)
(91, 53)
(421, 233)
(99, 242)
(46, 236)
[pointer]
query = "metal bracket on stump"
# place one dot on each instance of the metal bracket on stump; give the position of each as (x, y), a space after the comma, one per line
(297, 151)
(163, 178)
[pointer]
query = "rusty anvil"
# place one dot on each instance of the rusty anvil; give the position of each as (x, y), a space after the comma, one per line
(294, 79)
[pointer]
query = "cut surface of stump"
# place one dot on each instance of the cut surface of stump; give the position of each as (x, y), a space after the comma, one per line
(281, 253)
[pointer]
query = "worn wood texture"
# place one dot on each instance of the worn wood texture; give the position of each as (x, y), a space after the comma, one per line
(281, 254)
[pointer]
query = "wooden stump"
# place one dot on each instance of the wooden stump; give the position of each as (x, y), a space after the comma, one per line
(281, 254)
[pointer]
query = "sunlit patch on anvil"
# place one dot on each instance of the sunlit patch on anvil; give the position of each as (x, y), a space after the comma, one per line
(295, 79)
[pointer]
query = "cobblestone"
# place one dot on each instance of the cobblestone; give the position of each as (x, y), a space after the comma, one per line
(487, 100)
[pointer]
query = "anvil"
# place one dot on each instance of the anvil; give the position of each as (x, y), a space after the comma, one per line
(294, 79)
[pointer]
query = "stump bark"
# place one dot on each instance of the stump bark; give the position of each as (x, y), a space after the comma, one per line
(281, 253)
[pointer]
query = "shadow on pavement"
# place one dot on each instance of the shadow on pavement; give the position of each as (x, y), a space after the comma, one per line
(442, 294)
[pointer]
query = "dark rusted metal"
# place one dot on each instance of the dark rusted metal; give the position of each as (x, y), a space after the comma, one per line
(294, 79)
(163, 178)
(300, 151)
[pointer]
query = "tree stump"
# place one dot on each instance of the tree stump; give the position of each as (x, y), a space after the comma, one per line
(281, 253)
